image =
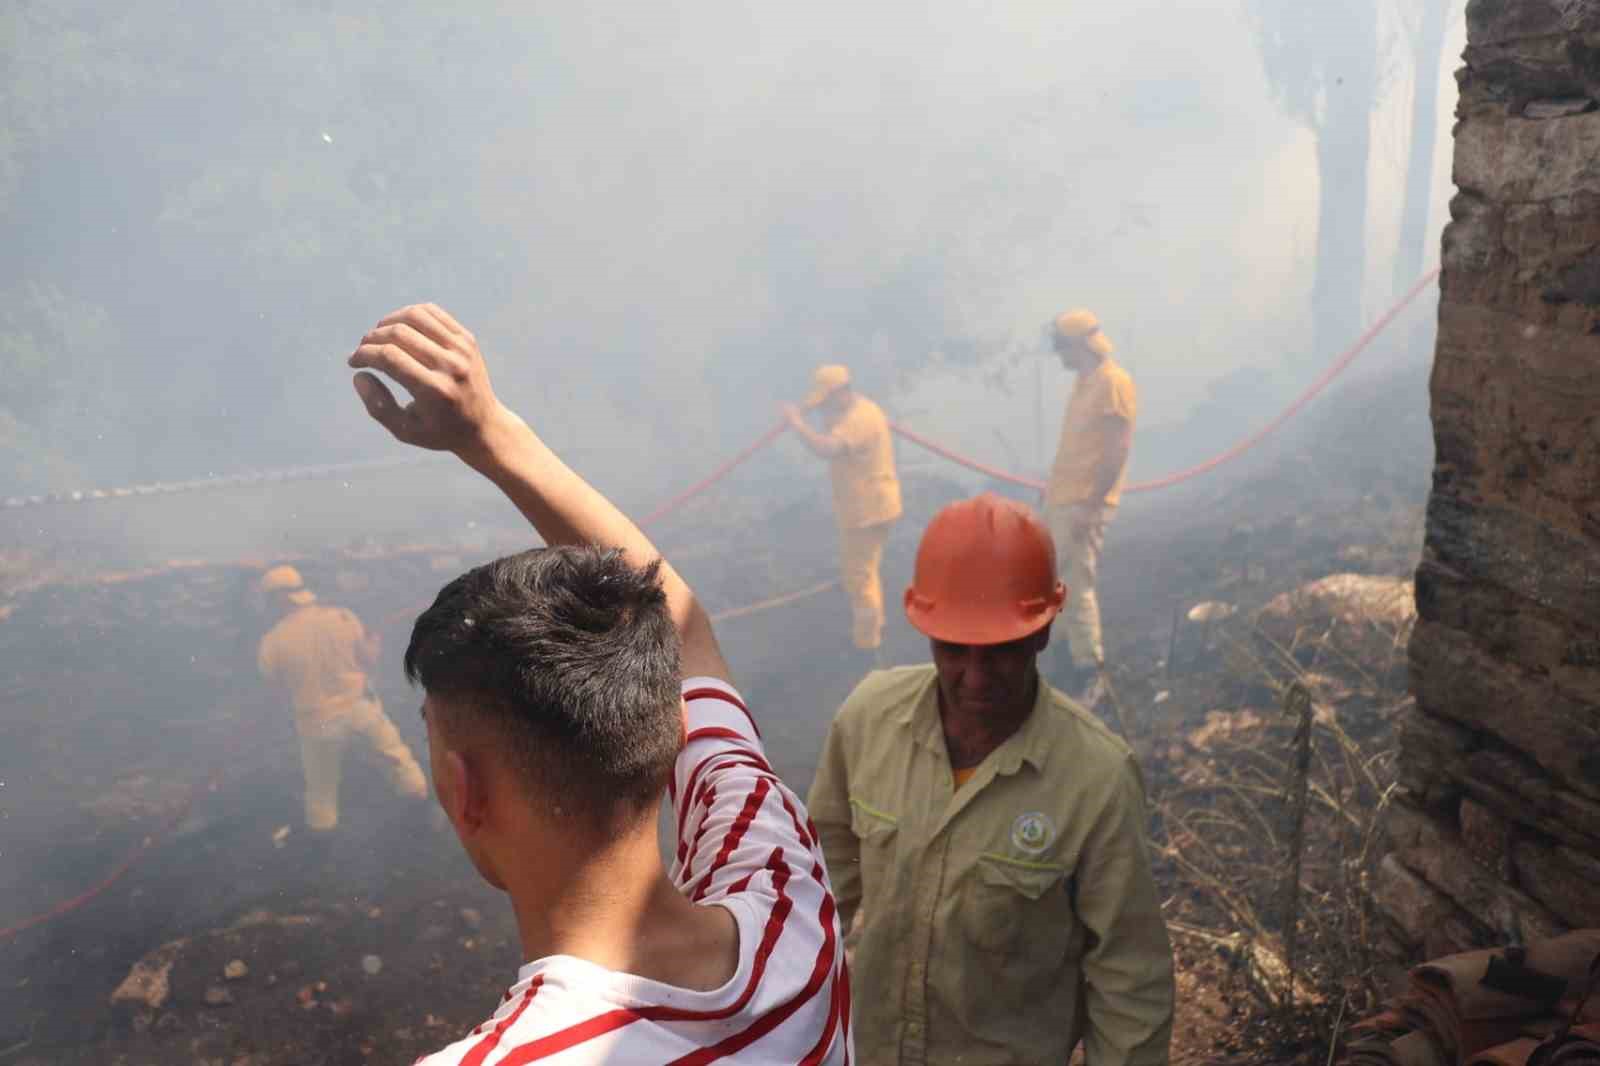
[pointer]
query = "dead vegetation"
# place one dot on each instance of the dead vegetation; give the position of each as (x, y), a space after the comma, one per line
(1269, 813)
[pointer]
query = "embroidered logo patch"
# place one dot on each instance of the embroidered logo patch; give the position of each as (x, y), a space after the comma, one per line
(1033, 832)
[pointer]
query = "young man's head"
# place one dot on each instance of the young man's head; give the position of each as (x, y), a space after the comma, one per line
(552, 702)
(985, 593)
(1077, 338)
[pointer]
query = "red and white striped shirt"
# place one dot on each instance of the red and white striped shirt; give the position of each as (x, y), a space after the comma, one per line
(746, 844)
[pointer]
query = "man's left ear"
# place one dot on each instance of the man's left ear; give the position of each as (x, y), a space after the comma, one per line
(463, 793)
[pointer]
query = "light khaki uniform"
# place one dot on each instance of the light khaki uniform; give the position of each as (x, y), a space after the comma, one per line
(866, 503)
(1007, 920)
(1077, 515)
(314, 653)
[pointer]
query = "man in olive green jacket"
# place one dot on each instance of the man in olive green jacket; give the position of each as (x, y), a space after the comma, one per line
(990, 830)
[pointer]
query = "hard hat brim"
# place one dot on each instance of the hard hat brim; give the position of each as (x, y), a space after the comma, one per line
(1002, 625)
(819, 395)
(281, 579)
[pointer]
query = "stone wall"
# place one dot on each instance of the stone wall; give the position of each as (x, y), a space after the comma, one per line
(1496, 829)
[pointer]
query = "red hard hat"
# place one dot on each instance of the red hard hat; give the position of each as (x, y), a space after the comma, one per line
(986, 574)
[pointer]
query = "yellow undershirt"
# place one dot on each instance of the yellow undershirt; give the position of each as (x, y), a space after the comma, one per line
(963, 776)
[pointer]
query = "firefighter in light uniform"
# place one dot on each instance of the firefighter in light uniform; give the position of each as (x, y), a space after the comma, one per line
(866, 489)
(1085, 483)
(321, 655)
(990, 831)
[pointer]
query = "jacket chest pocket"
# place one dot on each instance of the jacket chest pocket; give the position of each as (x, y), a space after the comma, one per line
(877, 831)
(1020, 909)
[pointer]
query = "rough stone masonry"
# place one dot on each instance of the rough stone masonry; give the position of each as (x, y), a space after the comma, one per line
(1495, 833)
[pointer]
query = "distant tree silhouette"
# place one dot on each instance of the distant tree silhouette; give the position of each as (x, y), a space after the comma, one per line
(1322, 63)
(1426, 25)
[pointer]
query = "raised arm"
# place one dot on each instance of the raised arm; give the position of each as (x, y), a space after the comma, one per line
(453, 408)
(822, 445)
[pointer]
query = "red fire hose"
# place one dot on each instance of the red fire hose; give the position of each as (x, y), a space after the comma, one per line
(1338, 367)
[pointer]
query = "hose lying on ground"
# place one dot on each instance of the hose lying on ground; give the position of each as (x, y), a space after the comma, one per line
(664, 510)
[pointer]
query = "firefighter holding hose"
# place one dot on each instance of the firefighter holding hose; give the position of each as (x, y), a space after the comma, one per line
(321, 655)
(866, 490)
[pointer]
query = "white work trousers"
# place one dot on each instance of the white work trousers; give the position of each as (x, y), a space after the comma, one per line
(1079, 530)
(323, 739)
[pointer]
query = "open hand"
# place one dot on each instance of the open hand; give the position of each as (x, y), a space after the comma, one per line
(436, 360)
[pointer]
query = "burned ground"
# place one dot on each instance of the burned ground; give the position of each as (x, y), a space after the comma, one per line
(128, 703)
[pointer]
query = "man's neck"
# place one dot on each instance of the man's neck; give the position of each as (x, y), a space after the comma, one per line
(576, 898)
(970, 738)
(616, 908)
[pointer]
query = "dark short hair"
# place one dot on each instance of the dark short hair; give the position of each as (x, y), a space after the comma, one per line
(570, 655)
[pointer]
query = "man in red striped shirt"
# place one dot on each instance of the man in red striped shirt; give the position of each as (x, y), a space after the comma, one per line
(557, 715)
